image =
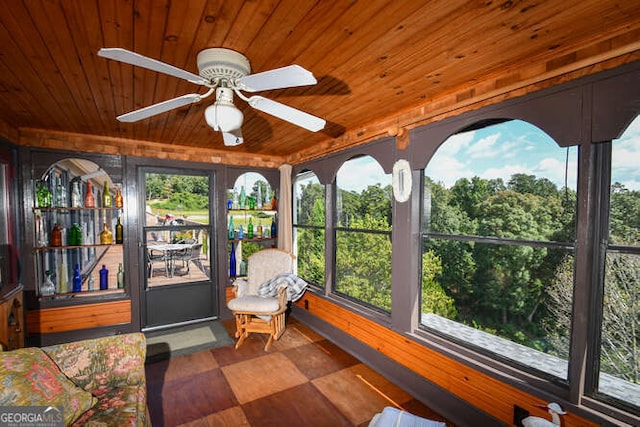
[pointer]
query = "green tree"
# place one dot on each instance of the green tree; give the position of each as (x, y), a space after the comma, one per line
(363, 263)
(311, 199)
(310, 244)
(625, 215)
(434, 299)
(510, 277)
(529, 184)
(446, 217)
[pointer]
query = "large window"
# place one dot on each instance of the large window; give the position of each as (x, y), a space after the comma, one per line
(620, 329)
(363, 233)
(308, 227)
(498, 251)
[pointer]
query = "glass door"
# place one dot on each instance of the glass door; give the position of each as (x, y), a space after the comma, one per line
(178, 247)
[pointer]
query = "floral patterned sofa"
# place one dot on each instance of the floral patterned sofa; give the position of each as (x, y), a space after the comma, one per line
(95, 382)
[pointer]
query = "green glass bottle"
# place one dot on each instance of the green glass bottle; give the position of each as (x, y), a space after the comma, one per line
(232, 231)
(120, 276)
(119, 231)
(243, 198)
(43, 196)
(106, 196)
(250, 229)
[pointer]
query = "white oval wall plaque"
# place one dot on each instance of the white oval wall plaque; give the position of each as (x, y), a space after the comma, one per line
(401, 180)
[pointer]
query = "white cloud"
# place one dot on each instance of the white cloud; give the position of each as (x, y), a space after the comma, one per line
(485, 147)
(447, 170)
(554, 170)
(356, 175)
(505, 172)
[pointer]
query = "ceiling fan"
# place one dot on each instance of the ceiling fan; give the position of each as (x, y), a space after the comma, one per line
(225, 72)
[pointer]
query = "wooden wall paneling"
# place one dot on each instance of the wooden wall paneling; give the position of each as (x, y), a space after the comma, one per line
(21, 44)
(60, 53)
(73, 318)
(117, 32)
(127, 147)
(282, 22)
(481, 390)
(82, 19)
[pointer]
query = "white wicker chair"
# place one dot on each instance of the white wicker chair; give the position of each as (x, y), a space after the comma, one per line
(255, 313)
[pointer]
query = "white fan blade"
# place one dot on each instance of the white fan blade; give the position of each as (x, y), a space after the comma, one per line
(128, 57)
(284, 112)
(290, 76)
(158, 108)
(232, 138)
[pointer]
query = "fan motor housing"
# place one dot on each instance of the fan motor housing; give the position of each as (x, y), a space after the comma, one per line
(220, 64)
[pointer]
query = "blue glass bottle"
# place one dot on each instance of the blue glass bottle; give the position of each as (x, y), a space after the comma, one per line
(77, 279)
(274, 228)
(104, 278)
(232, 261)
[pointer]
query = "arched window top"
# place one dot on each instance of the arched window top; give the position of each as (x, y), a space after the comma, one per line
(500, 151)
(363, 194)
(309, 199)
(508, 170)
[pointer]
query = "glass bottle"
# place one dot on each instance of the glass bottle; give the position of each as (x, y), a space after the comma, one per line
(56, 236)
(119, 232)
(71, 236)
(243, 198)
(243, 268)
(77, 279)
(119, 200)
(76, 199)
(235, 204)
(64, 279)
(106, 196)
(61, 195)
(120, 276)
(91, 284)
(267, 200)
(89, 199)
(47, 288)
(274, 203)
(232, 231)
(274, 228)
(259, 230)
(259, 197)
(252, 202)
(43, 195)
(232, 261)
(240, 233)
(106, 237)
(104, 278)
(250, 229)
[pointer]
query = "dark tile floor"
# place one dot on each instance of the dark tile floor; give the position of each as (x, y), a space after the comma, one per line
(304, 380)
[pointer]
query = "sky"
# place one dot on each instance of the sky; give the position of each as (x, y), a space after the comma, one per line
(501, 151)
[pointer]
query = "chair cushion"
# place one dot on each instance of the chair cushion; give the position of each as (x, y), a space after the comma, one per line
(265, 264)
(30, 378)
(254, 304)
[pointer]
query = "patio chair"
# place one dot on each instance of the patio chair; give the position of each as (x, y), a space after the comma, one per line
(154, 257)
(254, 313)
(190, 255)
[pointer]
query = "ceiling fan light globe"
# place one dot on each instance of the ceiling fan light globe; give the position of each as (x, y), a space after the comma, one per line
(223, 117)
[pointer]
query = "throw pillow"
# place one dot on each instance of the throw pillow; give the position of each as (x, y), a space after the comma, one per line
(28, 377)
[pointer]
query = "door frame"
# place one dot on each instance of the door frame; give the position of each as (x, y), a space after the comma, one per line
(181, 303)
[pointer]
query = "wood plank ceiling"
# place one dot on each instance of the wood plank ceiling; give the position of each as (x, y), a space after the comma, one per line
(381, 65)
